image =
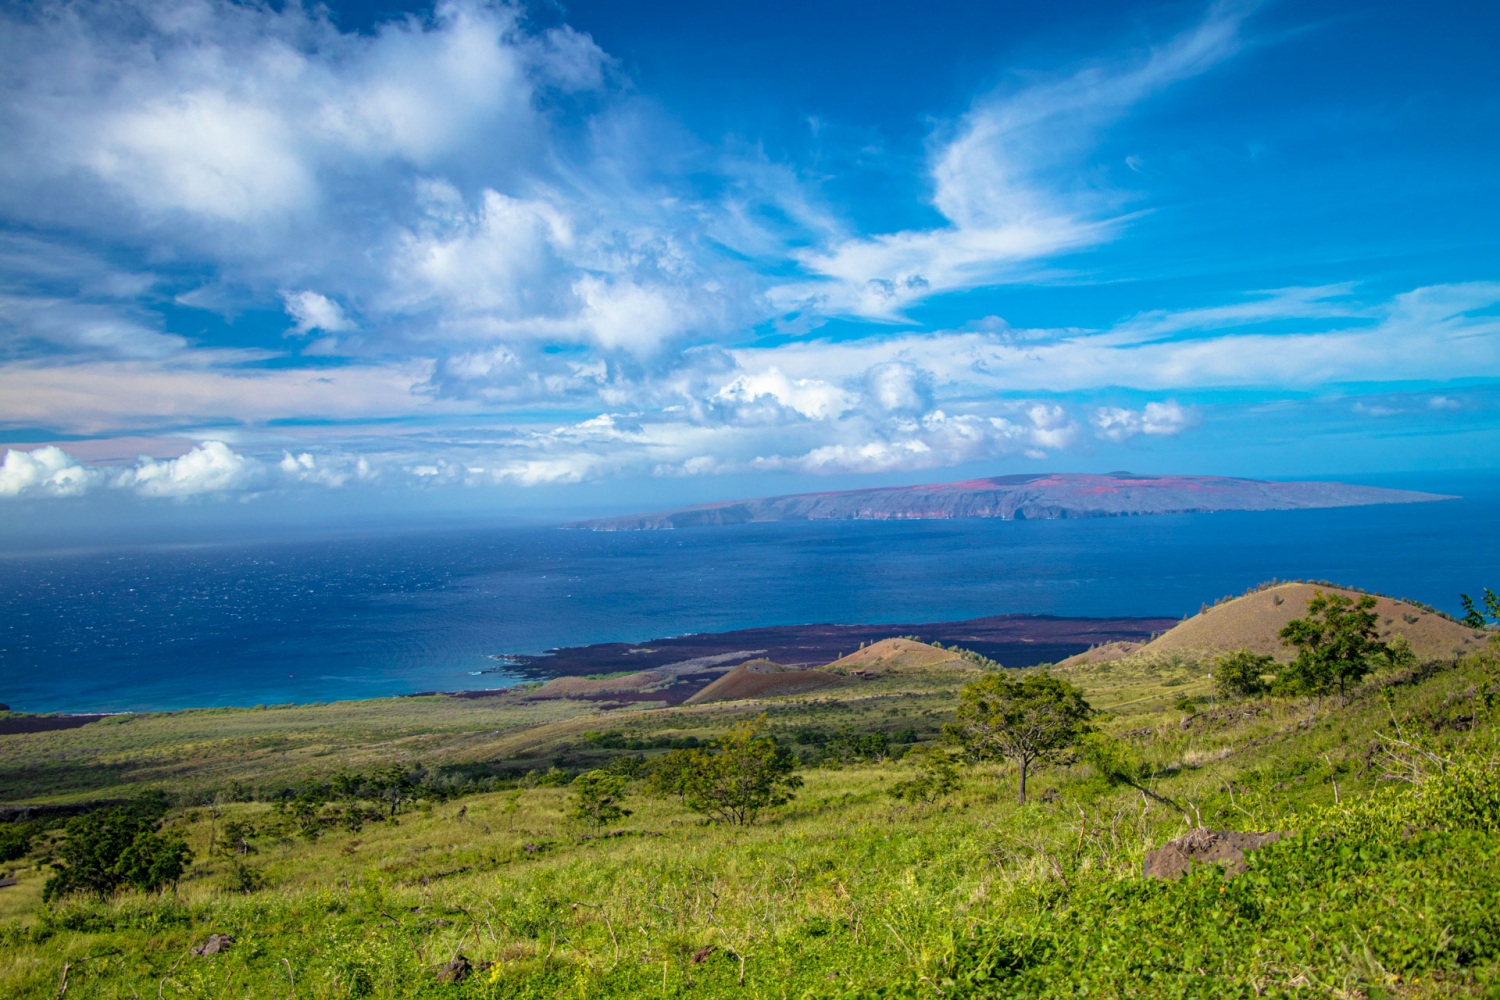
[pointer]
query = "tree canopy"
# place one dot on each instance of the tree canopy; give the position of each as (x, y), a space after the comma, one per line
(1029, 720)
(1242, 673)
(1335, 643)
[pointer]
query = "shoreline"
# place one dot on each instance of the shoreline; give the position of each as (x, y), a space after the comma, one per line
(1014, 640)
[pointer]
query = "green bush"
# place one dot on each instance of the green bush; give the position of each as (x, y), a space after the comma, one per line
(1242, 674)
(15, 840)
(936, 775)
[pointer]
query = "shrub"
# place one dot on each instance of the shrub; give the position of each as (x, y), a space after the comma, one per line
(1242, 674)
(743, 775)
(15, 840)
(936, 776)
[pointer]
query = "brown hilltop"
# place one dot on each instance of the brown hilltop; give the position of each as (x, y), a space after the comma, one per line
(764, 679)
(899, 655)
(1255, 620)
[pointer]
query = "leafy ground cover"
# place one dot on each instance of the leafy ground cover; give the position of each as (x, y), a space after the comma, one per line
(1386, 889)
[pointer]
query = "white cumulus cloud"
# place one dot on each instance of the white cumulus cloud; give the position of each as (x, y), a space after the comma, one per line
(314, 311)
(1164, 419)
(47, 471)
(212, 467)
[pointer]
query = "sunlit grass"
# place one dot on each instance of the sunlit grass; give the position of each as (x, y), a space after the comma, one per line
(844, 892)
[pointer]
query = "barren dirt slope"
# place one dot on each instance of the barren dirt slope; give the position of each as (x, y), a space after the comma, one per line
(763, 679)
(1253, 621)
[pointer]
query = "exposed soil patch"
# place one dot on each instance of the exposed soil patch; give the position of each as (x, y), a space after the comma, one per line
(1204, 846)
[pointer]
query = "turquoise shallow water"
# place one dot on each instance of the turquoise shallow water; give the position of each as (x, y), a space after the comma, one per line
(358, 616)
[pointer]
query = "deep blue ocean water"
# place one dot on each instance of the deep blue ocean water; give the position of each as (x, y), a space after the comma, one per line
(244, 623)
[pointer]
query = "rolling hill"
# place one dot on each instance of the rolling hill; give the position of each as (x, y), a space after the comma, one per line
(899, 656)
(1254, 620)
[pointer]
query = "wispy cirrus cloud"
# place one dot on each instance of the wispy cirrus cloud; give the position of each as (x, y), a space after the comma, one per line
(1009, 184)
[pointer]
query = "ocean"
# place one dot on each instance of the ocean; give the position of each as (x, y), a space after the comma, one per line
(153, 627)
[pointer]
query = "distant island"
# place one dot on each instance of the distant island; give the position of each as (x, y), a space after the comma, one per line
(1014, 498)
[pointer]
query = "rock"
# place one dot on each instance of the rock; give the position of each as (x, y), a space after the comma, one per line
(455, 971)
(214, 945)
(1204, 846)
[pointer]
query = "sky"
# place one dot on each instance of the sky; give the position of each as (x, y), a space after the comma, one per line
(270, 259)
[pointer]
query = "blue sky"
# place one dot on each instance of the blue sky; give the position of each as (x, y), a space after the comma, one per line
(647, 253)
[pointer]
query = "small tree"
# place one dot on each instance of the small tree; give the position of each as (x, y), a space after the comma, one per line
(596, 798)
(742, 775)
(1030, 721)
(1241, 674)
(935, 777)
(235, 841)
(1335, 643)
(15, 840)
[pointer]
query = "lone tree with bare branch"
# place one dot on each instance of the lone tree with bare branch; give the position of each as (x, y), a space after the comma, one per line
(1030, 720)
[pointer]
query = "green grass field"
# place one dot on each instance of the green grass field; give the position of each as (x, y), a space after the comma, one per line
(844, 892)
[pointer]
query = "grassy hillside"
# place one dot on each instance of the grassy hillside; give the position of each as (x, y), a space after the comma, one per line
(1386, 890)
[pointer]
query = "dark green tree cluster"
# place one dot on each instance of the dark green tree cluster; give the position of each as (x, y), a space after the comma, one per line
(614, 739)
(15, 840)
(112, 849)
(1031, 720)
(351, 800)
(848, 747)
(1242, 674)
